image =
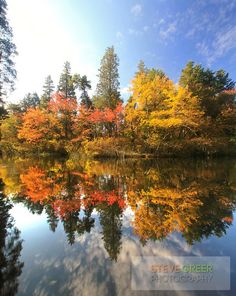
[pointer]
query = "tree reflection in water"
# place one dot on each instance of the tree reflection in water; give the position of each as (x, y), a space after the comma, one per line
(194, 198)
(10, 249)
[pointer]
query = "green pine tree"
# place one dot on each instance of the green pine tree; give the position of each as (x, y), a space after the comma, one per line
(48, 89)
(31, 100)
(141, 67)
(108, 94)
(68, 82)
(110, 219)
(208, 86)
(7, 53)
(84, 84)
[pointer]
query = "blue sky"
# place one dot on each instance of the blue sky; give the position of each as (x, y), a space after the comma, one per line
(165, 34)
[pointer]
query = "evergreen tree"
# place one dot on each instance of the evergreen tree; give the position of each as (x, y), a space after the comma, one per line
(31, 100)
(110, 219)
(10, 249)
(84, 84)
(87, 222)
(68, 82)
(108, 94)
(209, 87)
(48, 89)
(7, 53)
(13, 108)
(3, 112)
(70, 223)
(141, 68)
(52, 218)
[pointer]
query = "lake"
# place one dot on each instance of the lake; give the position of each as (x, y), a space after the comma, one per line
(74, 227)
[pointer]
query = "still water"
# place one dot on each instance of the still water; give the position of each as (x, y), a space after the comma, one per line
(73, 227)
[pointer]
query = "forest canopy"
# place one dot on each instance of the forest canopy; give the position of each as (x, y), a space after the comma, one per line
(196, 116)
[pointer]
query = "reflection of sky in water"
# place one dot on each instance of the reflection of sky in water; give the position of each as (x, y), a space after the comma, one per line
(25, 219)
(53, 267)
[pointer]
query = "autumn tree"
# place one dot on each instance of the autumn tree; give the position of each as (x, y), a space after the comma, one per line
(107, 121)
(40, 129)
(107, 94)
(183, 197)
(159, 111)
(9, 130)
(50, 129)
(65, 110)
(48, 89)
(7, 53)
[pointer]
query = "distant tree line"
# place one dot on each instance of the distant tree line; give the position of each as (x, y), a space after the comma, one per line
(195, 116)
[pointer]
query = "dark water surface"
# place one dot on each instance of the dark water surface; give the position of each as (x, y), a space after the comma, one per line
(73, 227)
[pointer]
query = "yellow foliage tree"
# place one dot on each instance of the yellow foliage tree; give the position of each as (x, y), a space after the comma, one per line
(159, 110)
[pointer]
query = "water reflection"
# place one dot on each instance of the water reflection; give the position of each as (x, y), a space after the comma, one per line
(110, 211)
(194, 198)
(10, 249)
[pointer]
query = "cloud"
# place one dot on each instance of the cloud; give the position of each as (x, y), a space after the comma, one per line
(212, 28)
(203, 48)
(126, 90)
(190, 33)
(159, 23)
(223, 42)
(85, 266)
(135, 32)
(119, 35)
(119, 38)
(150, 54)
(138, 32)
(136, 10)
(170, 29)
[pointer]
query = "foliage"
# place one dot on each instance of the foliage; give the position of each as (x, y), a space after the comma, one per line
(7, 53)
(40, 130)
(107, 147)
(159, 111)
(196, 116)
(9, 131)
(65, 110)
(212, 88)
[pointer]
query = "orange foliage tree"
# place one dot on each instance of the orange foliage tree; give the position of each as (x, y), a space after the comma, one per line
(39, 126)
